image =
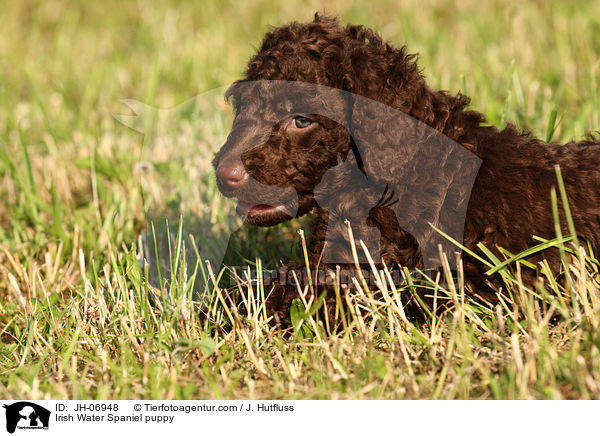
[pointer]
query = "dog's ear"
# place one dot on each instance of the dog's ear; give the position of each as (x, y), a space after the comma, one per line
(432, 174)
(385, 139)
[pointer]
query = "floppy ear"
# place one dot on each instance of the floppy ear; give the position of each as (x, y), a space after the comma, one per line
(385, 139)
(386, 88)
(431, 174)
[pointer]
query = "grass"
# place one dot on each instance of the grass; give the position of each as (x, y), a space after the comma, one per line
(78, 318)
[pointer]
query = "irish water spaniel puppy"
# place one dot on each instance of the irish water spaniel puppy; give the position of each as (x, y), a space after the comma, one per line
(333, 120)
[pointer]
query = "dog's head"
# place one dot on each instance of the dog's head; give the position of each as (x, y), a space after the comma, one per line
(317, 95)
(285, 136)
(290, 122)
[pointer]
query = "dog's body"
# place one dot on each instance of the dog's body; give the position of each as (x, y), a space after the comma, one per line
(300, 155)
(511, 199)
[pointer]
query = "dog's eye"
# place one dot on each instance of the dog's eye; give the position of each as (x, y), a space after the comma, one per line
(301, 122)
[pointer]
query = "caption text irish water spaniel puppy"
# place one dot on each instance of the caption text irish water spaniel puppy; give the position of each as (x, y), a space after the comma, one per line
(332, 120)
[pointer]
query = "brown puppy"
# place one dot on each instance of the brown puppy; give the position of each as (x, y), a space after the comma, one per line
(280, 163)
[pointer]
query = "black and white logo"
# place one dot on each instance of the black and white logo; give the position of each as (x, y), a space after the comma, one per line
(25, 415)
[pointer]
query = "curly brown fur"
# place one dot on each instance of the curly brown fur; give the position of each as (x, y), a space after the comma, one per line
(509, 202)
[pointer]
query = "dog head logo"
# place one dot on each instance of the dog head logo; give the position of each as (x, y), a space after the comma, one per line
(26, 415)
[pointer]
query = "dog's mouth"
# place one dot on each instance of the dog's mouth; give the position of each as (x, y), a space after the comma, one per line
(257, 210)
(262, 214)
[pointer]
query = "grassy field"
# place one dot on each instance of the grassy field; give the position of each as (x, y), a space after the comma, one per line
(77, 316)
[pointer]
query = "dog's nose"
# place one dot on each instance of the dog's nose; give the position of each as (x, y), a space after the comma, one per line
(233, 177)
